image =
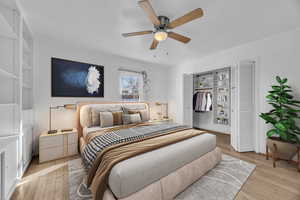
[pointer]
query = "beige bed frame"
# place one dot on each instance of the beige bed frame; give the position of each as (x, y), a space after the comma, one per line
(170, 186)
(79, 106)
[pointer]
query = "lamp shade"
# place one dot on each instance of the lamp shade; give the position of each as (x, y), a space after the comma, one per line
(160, 35)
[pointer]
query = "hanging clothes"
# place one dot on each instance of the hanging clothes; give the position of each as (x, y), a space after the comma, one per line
(202, 101)
(209, 102)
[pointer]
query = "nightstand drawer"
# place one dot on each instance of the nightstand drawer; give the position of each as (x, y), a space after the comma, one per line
(58, 145)
(72, 149)
(51, 153)
(72, 138)
(51, 141)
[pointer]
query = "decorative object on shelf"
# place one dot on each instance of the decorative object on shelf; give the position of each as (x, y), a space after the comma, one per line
(283, 138)
(76, 79)
(67, 107)
(222, 101)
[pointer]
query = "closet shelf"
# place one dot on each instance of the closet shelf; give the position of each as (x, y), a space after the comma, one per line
(7, 74)
(27, 67)
(8, 104)
(6, 29)
(26, 86)
(203, 88)
(9, 134)
(26, 46)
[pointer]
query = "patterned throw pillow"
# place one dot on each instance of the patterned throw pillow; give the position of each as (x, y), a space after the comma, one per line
(144, 114)
(95, 117)
(131, 118)
(117, 118)
(106, 119)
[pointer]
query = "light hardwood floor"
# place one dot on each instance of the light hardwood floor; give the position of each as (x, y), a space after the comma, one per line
(49, 181)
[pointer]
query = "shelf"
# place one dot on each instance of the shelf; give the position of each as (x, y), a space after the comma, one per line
(26, 67)
(5, 29)
(7, 74)
(26, 46)
(8, 104)
(209, 88)
(26, 86)
(9, 134)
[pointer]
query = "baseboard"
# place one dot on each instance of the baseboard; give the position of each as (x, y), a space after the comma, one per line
(246, 149)
(12, 189)
(26, 167)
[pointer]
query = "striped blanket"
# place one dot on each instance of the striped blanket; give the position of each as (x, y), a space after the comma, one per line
(102, 141)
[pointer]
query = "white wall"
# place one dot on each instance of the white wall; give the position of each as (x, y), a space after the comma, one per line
(46, 48)
(278, 55)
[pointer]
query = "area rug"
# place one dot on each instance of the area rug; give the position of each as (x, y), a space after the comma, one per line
(221, 183)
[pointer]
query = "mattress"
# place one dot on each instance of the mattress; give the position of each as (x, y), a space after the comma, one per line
(134, 174)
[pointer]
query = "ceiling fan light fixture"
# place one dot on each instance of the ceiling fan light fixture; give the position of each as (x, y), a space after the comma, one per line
(161, 35)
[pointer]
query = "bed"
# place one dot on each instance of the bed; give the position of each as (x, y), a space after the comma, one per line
(142, 160)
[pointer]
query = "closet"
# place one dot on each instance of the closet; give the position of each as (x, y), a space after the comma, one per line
(16, 96)
(211, 100)
(223, 100)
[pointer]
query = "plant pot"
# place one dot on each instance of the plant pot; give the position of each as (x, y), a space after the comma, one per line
(282, 149)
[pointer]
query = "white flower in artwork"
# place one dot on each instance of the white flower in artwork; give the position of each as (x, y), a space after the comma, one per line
(92, 80)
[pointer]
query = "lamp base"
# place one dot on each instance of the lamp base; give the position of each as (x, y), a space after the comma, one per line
(67, 130)
(52, 131)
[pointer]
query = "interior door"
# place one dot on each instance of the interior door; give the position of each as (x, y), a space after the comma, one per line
(246, 106)
(234, 108)
(188, 99)
(242, 138)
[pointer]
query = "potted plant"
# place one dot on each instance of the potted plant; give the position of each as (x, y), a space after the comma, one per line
(283, 139)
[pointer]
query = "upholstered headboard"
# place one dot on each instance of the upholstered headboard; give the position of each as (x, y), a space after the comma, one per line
(87, 111)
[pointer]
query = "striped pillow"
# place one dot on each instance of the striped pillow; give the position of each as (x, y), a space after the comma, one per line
(143, 113)
(117, 118)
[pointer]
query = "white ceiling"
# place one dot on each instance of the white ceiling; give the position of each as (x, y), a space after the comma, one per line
(98, 24)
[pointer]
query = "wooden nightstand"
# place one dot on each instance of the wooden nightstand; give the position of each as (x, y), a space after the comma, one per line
(58, 145)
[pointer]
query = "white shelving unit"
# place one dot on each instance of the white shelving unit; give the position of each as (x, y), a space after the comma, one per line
(7, 74)
(27, 72)
(6, 30)
(16, 96)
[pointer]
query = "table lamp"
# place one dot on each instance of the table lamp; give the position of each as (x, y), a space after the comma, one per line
(66, 106)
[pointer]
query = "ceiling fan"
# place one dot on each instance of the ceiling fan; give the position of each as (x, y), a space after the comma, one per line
(162, 24)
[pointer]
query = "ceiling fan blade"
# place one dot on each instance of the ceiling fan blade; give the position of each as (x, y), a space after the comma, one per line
(154, 44)
(145, 4)
(197, 13)
(136, 33)
(179, 37)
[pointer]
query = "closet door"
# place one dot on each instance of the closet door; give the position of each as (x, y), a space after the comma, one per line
(234, 107)
(188, 99)
(243, 108)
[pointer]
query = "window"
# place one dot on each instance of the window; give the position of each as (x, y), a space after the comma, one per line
(131, 86)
